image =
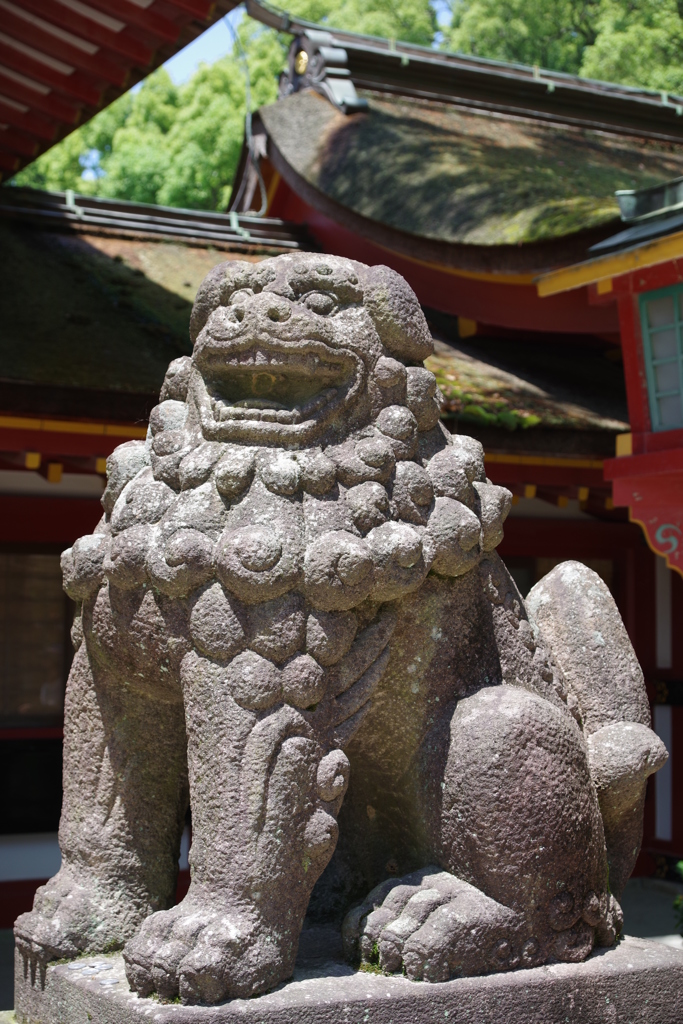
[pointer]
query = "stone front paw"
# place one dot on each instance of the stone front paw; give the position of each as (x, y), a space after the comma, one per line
(70, 917)
(203, 953)
(434, 927)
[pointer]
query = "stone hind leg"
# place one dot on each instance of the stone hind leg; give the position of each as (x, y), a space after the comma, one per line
(523, 843)
(521, 822)
(433, 926)
(125, 795)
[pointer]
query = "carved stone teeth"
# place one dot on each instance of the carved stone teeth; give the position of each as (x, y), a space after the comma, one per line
(289, 416)
(310, 406)
(258, 403)
(317, 402)
(308, 362)
(268, 415)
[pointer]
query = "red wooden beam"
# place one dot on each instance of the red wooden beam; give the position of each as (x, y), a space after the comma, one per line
(84, 439)
(551, 476)
(47, 103)
(46, 732)
(27, 519)
(567, 538)
(75, 85)
(16, 898)
(667, 463)
(18, 142)
(200, 9)
(657, 441)
(29, 122)
(98, 65)
(8, 162)
(122, 42)
(129, 13)
(634, 364)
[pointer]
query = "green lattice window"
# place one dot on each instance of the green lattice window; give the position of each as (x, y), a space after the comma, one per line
(661, 315)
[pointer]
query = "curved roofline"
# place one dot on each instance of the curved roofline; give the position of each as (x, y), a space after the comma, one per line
(497, 260)
(272, 16)
(406, 68)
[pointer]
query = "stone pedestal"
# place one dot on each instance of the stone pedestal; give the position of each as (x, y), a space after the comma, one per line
(638, 981)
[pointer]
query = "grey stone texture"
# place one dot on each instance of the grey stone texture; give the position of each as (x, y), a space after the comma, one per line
(292, 615)
(637, 982)
(600, 669)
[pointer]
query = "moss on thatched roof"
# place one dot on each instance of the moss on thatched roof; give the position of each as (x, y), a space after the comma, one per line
(453, 175)
(95, 312)
(552, 386)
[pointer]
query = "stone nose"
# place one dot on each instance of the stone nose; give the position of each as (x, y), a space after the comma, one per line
(269, 308)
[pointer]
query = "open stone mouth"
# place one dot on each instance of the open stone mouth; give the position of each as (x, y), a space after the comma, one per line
(276, 385)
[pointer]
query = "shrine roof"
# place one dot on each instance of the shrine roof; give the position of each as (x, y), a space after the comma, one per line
(64, 62)
(460, 176)
(529, 387)
(99, 304)
(90, 323)
(91, 313)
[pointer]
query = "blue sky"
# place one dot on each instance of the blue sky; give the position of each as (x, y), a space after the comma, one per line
(207, 48)
(217, 41)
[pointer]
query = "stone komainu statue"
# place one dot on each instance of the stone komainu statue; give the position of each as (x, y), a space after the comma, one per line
(295, 588)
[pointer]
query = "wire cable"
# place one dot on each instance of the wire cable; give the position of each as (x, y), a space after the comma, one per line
(253, 157)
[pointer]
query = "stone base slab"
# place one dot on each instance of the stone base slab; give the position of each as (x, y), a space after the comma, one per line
(638, 981)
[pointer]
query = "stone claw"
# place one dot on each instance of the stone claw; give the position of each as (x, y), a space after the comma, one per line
(434, 928)
(202, 954)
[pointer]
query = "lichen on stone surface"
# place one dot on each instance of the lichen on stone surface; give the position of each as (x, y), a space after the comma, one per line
(299, 562)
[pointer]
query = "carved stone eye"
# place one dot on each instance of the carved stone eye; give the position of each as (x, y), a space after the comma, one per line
(239, 296)
(321, 303)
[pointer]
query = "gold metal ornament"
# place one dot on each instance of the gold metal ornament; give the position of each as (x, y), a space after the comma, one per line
(301, 62)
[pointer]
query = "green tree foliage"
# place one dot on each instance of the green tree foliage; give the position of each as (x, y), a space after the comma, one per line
(167, 144)
(638, 43)
(412, 21)
(550, 33)
(634, 42)
(179, 145)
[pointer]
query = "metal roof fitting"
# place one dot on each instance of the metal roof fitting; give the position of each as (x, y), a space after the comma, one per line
(315, 62)
(654, 201)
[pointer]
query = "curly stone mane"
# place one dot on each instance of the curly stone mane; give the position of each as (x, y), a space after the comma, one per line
(243, 495)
